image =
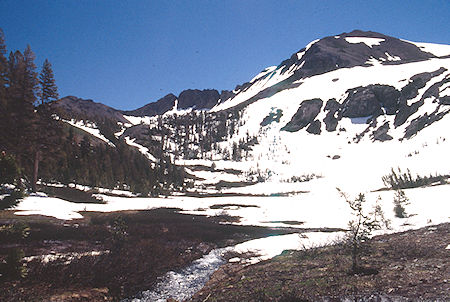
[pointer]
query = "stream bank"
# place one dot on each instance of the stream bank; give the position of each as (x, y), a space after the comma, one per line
(407, 266)
(132, 249)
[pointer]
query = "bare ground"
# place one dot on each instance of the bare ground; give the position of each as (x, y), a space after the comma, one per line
(409, 266)
(134, 248)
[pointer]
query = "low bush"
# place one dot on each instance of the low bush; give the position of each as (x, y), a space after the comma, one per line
(360, 229)
(400, 201)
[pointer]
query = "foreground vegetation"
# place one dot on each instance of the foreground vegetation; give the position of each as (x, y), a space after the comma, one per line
(409, 266)
(131, 249)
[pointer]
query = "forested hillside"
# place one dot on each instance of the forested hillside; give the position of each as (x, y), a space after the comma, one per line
(45, 148)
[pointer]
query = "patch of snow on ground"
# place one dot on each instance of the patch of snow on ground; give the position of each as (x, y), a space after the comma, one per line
(368, 41)
(439, 50)
(263, 73)
(142, 149)
(392, 58)
(90, 128)
(269, 247)
(67, 257)
(136, 120)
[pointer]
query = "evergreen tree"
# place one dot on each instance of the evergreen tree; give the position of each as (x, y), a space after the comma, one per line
(45, 129)
(30, 77)
(47, 138)
(15, 125)
(3, 100)
(48, 90)
(9, 175)
(3, 69)
(23, 98)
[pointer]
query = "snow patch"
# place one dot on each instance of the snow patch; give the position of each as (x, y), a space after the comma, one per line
(136, 120)
(439, 50)
(142, 149)
(392, 58)
(90, 128)
(368, 41)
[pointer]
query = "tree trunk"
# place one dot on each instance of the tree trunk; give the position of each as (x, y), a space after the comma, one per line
(37, 156)
(355, 257)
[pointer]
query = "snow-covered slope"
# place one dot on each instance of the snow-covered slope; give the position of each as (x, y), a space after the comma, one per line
(340, 113)
(351, 124)
(343, 110)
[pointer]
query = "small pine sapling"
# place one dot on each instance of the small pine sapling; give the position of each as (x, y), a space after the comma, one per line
(400, 201)
(361, 227)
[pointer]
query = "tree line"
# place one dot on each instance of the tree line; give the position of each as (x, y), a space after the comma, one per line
(45, 148)
(26, 124)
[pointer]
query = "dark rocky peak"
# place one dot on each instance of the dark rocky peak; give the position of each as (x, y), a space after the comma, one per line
(198, 99)
(225, 95)
(159, 107)
(191, 98)
(71, 107)
(356, 48)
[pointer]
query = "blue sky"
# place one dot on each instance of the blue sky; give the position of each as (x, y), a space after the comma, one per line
(128, 53)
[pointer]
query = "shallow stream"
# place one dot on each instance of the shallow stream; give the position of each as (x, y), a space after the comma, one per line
(184, 284)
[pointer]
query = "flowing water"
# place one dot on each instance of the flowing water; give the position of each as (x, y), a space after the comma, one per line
(185, 283)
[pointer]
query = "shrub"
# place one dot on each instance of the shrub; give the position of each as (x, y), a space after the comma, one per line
(360, 228)
(10, 186)
(118, 233)
(14, 232)
(14, 268)
(400, 200)
(9, 171)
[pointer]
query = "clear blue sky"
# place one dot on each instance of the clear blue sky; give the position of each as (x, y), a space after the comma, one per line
(128, 53)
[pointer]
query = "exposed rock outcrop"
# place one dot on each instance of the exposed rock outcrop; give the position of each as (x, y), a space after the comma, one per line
(71, 107)
(304, 116)
(159, 107)
(198, 99)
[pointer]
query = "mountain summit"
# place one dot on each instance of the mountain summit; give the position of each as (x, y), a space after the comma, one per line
(352, 93)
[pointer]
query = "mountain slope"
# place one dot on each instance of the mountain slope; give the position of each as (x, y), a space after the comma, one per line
(316, 113)
(347, 50)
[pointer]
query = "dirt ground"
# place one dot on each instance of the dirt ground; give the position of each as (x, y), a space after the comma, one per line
(409, 266)
(131, 249)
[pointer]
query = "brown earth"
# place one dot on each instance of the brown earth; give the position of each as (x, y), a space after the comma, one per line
(138, 246)
(409, 266)
(135, 248)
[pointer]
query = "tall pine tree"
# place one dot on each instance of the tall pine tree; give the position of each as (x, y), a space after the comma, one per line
(30, 84)
(3, 100)
(3, 69)
(46, 130)
(21, 97)
(48, 90)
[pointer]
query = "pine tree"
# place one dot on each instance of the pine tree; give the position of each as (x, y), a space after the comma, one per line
(10, 175)
(47, 138)
(3, 69)
(30, 77)
(48, 90)
(361, 227)
(19, 113)
(3, 100)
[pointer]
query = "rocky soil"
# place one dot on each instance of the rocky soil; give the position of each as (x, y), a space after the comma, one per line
(106, 256)
(409, 266)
